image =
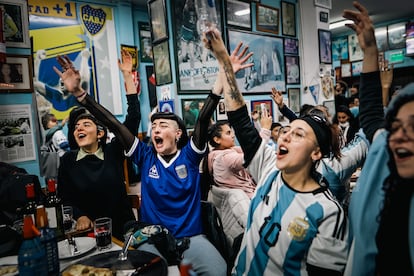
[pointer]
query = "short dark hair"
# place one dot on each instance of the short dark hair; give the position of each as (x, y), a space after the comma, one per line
(45, 120)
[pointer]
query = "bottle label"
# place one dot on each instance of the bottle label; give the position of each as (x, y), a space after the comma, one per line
(51, 217)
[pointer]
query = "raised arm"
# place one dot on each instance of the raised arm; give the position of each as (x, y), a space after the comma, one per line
(371, 113)
(278, 99)
(238, 60)
(133, 116)
(246, 133)
(71, 78)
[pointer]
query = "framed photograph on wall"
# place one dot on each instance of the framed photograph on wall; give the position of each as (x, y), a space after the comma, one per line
(162, 63)
(294, 99)
(291, 46)
(382, 38)
(145, 43)
(267, 19)
(157, 12)
(239, 14)
(354, 50)
(190, 108)
(340, 48)
(356, 68)
(325, 50)
(16, 26)
(16, 74)
(221, 113)
(256, 106)
(196, 69)
(346, 70)
(134, 54)
(152, 90)
(288, 19)
(330, 105)
(396, 35)
(292, 69)
(268, 70)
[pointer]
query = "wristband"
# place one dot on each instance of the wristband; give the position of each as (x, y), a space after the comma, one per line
(81, 95)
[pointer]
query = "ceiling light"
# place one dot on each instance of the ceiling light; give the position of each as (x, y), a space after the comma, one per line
(339, 24)
(242, 12)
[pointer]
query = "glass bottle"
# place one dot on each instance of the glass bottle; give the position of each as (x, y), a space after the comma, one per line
(31, 257)
(48, 240)
(30, 207)
(54, 209)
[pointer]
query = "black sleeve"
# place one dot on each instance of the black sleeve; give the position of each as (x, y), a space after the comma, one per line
(288, 113)
(204, 119)
(246, 133)
(133, 117)
(108, 119)
(319, 271)
(371, 111)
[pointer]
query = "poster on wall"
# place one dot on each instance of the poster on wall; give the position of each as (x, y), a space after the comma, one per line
(196, 67)
(268, 70)
(89, 40)
(16, 134)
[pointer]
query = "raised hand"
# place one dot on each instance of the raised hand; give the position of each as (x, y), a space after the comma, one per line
(70, 76)
(126, 65)
(238, 60)
(277, 97)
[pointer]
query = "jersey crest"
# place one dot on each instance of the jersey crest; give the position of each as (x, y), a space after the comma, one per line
(153, 173)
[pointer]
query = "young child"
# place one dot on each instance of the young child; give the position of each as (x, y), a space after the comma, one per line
(54, 134)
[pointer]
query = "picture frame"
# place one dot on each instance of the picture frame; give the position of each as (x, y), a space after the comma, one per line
(268, 70)
(196, 70)
(221, 113)
(21, 74)
(292, 69)
(145, 42)
(340, 48)
(346, 70)
(356, 68)
(325, 46)
(17, 12)
(134, 54)
(190, 109)
(267, 19)
(330, 105)
(294, 99)
(381, 36)
(355, 51)
(288, 19)
(167, 106)
(291, 46)
(151, 87)
(255, 105)
(239, 14)
(396, 35)
(158, 19)
(323, 16)
(162, 64)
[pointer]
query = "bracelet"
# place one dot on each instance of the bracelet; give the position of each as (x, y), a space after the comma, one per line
(81, 95)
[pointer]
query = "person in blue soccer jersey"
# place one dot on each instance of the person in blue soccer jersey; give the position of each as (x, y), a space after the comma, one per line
(169, 167)
(295, 226)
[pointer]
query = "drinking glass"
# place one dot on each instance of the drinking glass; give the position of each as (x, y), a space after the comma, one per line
(103, 233)
(67, 218)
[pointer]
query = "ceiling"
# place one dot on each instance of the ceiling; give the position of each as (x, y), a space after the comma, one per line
(380, 10)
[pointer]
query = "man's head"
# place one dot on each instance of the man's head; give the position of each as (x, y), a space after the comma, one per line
(168, 132)
(48, 121)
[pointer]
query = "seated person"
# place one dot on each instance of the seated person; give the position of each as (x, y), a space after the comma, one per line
(91, 178)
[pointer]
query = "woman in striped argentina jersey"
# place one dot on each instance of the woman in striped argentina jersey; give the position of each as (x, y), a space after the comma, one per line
(295, 225)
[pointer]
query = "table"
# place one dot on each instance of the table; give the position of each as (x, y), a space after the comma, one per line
(116, 245)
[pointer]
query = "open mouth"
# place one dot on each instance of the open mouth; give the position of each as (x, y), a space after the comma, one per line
(282, 150)
(158, 140)
(403, 153)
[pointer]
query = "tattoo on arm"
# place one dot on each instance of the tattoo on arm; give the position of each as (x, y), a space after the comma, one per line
(231, 80)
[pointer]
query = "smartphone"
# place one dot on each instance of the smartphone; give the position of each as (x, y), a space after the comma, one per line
(262, 107)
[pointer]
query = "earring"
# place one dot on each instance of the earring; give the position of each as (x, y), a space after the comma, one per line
(177, 139)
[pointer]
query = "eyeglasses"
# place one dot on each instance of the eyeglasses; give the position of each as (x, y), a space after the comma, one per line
(407, 128)
(296, 134)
